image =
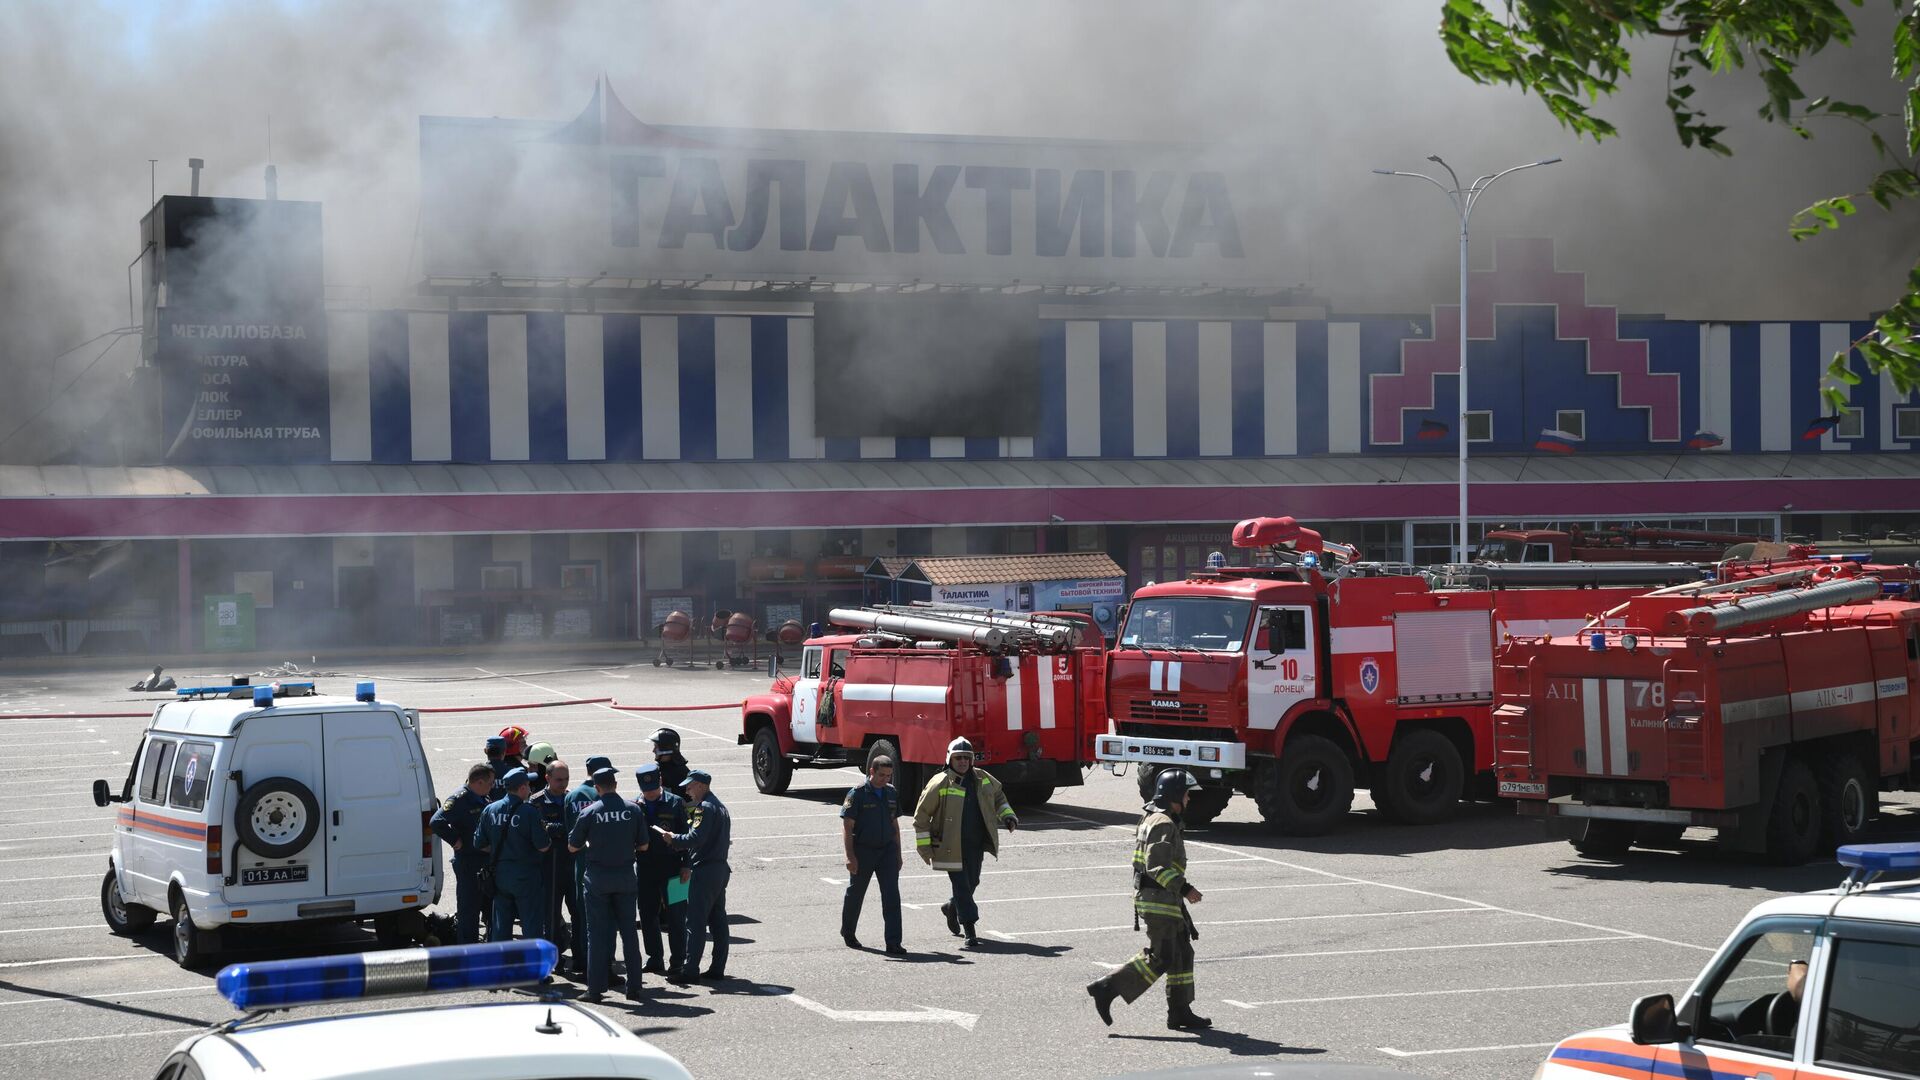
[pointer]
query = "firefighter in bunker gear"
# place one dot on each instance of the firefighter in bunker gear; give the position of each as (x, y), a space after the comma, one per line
(1160, 895)
(953, 826)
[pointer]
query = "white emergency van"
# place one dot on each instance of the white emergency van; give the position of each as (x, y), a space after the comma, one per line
(271, 804)
(1823, 986)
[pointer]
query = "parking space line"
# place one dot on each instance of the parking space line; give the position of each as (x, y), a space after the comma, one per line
(174, 1031)
(51, 858)
(1105, 868)
(1391, 1052)
(1681, 980)
(1409, 889)
(45, 900)
(597, 705)
(838, 856)
(57, 999)
(85, 959)
(1112, 895)
(1249, 922)
(49, 929)
(1418, 948)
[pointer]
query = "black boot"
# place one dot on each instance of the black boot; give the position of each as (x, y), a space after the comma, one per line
(953, 921)
(1102, 1001)
(972, 938)
(1185, 1019)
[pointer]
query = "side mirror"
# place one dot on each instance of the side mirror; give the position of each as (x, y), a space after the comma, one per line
(1653, 1021)
(102, 794)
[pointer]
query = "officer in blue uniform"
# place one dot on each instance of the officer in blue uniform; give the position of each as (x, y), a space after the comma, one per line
(496, 751)
(454, 823)
(576, 800)
(870, 833)
(512, 836)
(660, 864)
(612, 832)
(563, 930)
(706, 842)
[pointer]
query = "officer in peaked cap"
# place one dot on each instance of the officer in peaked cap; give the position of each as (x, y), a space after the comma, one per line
(708, 839)
(512, 837)
(608, 835)
(576, 800)
(661, 867)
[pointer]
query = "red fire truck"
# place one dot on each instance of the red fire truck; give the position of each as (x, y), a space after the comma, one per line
(1773, 708)
(1296, 681)
(1028, 690)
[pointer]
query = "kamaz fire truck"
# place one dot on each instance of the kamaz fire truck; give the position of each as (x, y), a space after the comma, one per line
(1028, 690)
(1297, 681)
(1774, 708)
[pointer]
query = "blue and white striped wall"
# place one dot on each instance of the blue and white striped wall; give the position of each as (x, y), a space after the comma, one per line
(550, 387)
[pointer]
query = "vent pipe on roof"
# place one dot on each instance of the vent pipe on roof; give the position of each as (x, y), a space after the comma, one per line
(194, 165)
(273, 183)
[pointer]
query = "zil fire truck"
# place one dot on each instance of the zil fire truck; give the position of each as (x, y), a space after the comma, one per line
(1612, 545)
(1028, 690)
(1296, 682)
(1774, 708)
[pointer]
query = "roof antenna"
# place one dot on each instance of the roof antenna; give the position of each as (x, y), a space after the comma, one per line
(548, 1028)
(273, 175)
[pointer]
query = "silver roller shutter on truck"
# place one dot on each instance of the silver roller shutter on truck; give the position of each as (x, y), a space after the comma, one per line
(1443, 655)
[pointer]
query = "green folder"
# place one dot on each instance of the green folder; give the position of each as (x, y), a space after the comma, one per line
(676, 890)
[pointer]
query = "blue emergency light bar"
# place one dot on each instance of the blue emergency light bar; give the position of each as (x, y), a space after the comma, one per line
(261, 695)
(1880, 858)
(363, 691)
(277, 984)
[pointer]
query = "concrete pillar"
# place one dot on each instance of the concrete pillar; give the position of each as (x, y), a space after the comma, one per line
(183, 641)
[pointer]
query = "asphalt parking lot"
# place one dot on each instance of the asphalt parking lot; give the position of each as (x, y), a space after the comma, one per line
(1461, 950)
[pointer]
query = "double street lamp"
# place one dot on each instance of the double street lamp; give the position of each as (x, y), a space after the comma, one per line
(1463, 198)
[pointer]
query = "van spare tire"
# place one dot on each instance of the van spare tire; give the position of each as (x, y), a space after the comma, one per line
(277, 817)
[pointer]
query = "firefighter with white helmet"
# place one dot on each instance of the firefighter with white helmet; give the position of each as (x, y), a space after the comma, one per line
(953, 828)
(1160, 895)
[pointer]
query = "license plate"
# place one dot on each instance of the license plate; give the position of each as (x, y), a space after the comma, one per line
(1158, 751)
(1510, 787)
(273, 875)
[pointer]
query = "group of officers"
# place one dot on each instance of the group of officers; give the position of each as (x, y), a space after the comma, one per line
(586, 867)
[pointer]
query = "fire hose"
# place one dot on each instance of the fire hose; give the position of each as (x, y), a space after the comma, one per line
(609, 702)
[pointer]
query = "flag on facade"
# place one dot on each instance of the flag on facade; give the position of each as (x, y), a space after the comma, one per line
(1431, 429)
(1555, 441)
(1704, 440)
(1820, 426)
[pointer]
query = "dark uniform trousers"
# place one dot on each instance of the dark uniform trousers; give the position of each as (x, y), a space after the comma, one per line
(466, 894)
(658, 916)
(564, 927)
(965, 880)
(523, 896)
(707, 916)
(883, 863)
(1169, 952)
(610, 913)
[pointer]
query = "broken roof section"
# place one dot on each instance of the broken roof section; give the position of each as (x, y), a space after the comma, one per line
(996, 569)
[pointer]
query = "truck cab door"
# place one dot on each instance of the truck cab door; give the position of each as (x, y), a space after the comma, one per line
(806, 697)
(1282, 669)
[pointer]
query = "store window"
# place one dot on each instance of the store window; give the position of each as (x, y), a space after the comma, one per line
(1906, 423)
(1853, 424)
(1571, 421)
(1479, 426)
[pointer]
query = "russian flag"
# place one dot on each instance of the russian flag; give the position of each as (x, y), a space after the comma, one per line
(1820, 426)
(1704, 440)
(1555, 441)
(1430, 430)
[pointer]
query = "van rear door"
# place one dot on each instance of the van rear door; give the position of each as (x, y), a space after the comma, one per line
(372, 804)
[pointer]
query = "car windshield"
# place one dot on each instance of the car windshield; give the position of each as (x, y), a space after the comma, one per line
(1492, 550)
(1207, 623)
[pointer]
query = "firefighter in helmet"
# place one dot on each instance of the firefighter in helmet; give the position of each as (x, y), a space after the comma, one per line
(953, 828)
(666, 754)
(1160, 895)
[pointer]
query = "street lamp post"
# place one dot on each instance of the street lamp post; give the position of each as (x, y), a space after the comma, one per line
(1463, 199)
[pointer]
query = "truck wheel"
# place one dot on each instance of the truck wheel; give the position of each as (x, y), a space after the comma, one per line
(908, 779)
(1307, 789)
(1848, 800)
(1029, 794)
(772, 772)
(277, 817)
(1602, 838)
(883, 748)
(123, 918)
(1205, 804)
(1793, 826)
(190, 943)
(1149, 776)
(1423, 779)
(1658, 835)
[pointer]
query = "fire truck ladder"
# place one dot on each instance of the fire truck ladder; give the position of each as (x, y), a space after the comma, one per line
(994, 631)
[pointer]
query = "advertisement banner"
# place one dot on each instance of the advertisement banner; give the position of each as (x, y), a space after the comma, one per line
(607, 196)
(981, 596)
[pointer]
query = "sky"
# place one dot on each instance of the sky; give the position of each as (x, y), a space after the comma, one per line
(1313, 92)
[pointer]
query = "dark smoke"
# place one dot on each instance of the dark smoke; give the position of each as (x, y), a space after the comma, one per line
(1315, 92)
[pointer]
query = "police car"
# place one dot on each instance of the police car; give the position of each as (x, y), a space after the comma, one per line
(271, 804)
(1825, 985)
(508, 1040)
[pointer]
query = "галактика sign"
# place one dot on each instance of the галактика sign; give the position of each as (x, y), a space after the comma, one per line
(607, 196)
